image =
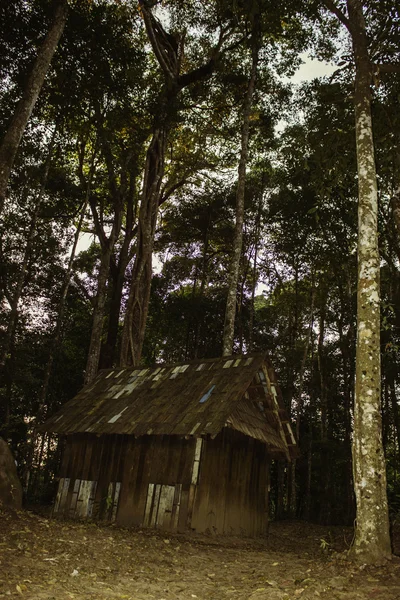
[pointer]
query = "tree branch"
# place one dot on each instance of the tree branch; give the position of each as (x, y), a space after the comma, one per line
(387, 67)
(331, 5)
(161, 55)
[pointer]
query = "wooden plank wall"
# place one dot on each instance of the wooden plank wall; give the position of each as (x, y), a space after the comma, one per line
(232, 492)
(150, 480)
(108, 477)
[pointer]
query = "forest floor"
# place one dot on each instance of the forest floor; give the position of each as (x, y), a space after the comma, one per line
(44, 558)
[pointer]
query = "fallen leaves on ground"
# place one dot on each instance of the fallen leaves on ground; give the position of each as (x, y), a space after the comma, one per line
(49, 559)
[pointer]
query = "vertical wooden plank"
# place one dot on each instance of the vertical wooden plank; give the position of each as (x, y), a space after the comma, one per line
(196, 461)
(149, 502)
(83, 500)
(129, 483)
(140, 482)
(98, 475)
(106, 476)
(176, 507)
(117, 490)
(74, 498)
(62, 492)
(73, 469)
(155, 505)
(91, 498)
(162, 505)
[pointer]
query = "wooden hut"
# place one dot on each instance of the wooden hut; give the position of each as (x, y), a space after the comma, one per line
(182, 447)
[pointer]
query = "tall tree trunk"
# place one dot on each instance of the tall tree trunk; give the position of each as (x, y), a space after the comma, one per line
(34, 82)
(233, 277)
(168, 50)
(139, 293)
(372, 539)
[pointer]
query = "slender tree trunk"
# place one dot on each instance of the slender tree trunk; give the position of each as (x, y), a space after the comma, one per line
(372, 539)
(254, 274)
(34, 82)
(24, 265)
(347, 343)
(92, 363)
(60, 318)
(118, 279)
(326, 480)
(203, 282)
(308, 496)
(395, 409)
(300, 404)
(280, 490)
(395, 199)
(233, 277)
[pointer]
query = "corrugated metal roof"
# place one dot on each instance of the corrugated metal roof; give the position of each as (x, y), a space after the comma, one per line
(196, 398)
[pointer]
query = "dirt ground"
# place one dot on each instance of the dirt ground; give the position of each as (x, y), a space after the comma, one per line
(45, 558)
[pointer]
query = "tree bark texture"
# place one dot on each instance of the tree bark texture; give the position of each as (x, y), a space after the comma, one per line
(233, 277)
(372, 540)
(34, 82)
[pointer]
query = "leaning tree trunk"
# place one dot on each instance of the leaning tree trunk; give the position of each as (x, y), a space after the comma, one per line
(233, 277)
(34, 82)
(372, 540)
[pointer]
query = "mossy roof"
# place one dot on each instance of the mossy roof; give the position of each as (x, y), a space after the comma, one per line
(189, 399)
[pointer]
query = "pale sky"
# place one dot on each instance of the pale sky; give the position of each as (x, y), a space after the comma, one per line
(312, 69)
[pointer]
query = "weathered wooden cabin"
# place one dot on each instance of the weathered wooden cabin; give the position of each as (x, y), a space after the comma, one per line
(182, 447)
